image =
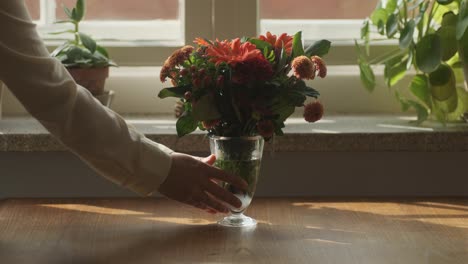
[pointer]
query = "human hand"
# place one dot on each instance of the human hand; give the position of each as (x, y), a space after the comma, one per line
(190, 181)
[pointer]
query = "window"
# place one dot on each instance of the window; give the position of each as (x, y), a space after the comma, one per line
(146, 32)
(142, 20)
(337, 20)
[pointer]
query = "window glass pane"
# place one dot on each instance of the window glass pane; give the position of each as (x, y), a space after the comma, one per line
(34, 9)
(125, 9)
(316, 9)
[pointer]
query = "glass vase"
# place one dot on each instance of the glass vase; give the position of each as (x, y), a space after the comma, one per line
(240, 156)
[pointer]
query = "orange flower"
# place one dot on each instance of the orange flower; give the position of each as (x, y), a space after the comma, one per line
(313, 111)
(178, 57)
(303, 68)
(278, 43)
(201, 42)
(320, 66)
(232, 52)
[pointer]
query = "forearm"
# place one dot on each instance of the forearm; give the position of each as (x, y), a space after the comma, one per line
(96, 134)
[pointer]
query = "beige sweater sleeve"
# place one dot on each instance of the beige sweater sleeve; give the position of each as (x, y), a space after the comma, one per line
(96, 134)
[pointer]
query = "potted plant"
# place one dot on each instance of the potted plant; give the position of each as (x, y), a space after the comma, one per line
(432, 40)
(86, 61)
(241, 92)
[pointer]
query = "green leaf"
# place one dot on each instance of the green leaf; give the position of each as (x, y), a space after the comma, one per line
(406, 37)
(260, 44)
(186, 124)
(282, 60)
(318, 48)
(59, 49)
(74, 54)
(297, 48)
(365, 29)
(420, 88)
(205, 109)
(102, 50)
(68, 12)
(392, 25)
(444, 2)
(88, 42)
(391, 6)
(395, 73)
(462, 28)
(178, 91)
(74, 15)
(422, 111)
(380, 14)
(367, 75)
(284, 112)
(309, 91)
(296, 98)
(381, 28)
(448, 41)
(80, 10)
(443, 84)
(449, 19)
(429, 53)
(403, 102)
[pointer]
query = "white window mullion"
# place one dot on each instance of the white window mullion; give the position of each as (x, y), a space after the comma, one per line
(47, 11)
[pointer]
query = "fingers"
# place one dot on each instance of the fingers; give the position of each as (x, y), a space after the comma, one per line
(221, 175)
(210, 160)
(222, 194)
(213, 203)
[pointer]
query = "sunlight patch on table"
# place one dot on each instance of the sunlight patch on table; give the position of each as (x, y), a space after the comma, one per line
(180, 220)
(327, 241)
(93, 209)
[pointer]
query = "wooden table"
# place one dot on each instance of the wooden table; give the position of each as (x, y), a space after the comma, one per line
(289, 231)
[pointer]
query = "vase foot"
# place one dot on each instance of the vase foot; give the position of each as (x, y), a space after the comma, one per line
(237, 220)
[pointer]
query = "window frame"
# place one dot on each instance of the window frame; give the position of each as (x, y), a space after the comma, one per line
(137, 82)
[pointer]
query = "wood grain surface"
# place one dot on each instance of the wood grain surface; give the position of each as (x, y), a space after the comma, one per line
(289, 231)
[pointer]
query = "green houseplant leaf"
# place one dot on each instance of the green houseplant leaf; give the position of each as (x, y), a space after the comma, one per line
(186, 124)
(406, 37)
(392, 25)
(443, 84)
(318, 48)
(88, 42)
(178, 92)
(297, 48)
(429, 53)
(80, 10)
(420, 88)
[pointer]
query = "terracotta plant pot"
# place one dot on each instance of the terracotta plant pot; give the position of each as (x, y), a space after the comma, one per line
(93, 79)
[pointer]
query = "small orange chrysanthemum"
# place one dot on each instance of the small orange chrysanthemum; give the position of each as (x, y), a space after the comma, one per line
(232, 52)
(303, 68)
(278, 43)
(178, 57)
(320, 66)
(313, 111)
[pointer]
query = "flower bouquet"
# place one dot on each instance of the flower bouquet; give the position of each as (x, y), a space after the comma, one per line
(241, 92)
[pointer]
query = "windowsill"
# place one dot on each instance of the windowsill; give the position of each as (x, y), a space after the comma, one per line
(337, 133)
